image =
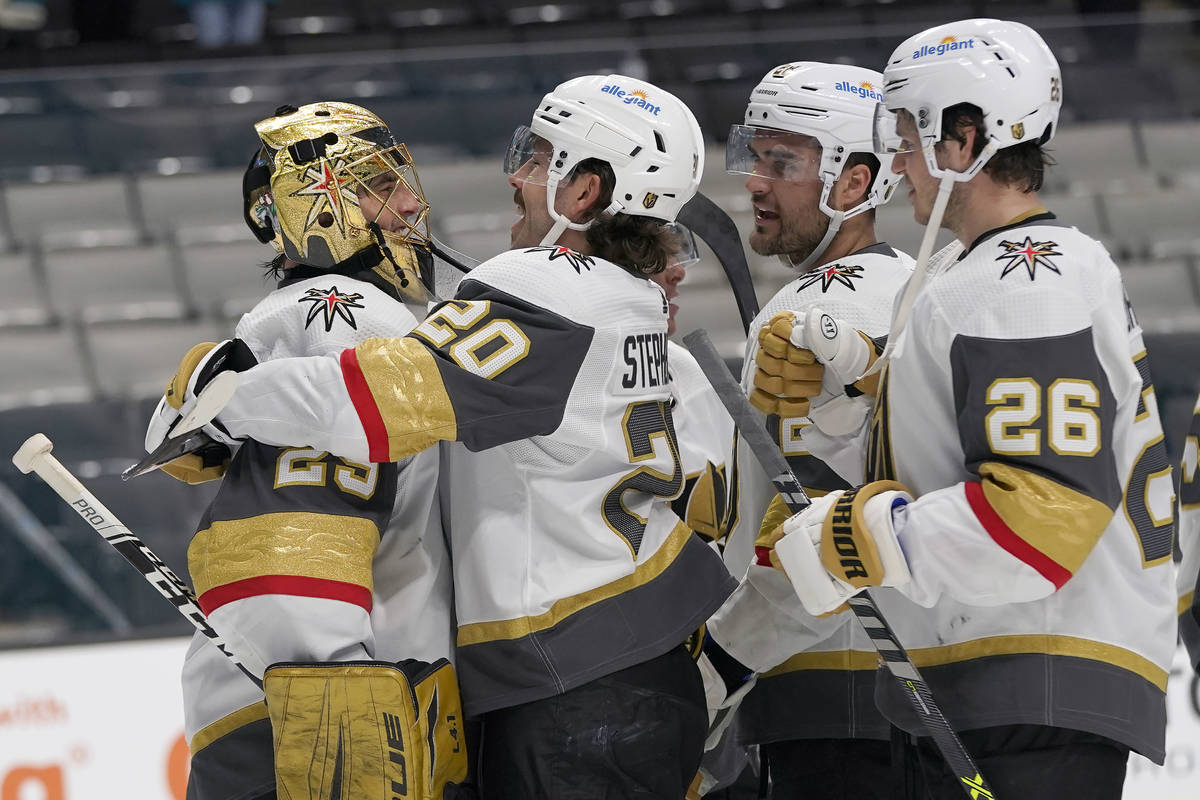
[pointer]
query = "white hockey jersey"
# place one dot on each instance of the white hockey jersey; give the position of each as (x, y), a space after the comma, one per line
(1189, 539)
(306, 557)
(551, 368)
(1018, 409)
(831, 680)
(705, 433)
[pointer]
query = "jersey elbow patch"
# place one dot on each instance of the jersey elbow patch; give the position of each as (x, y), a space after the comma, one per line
(1044, 524)
(303, 554)
(399, 395)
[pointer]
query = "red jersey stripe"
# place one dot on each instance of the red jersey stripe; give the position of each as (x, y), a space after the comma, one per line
(1004, 536)
(298, 585)
(365, 406)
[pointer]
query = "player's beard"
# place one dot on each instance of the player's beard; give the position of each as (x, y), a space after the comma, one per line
(794, 239)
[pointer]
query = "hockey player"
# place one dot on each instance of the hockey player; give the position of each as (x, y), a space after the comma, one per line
(1018, 497)
(301, 559)
(575, 583)
(814, 183)
(1189, 540)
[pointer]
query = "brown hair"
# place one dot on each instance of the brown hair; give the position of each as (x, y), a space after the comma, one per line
(1020, 165)
(641, 245)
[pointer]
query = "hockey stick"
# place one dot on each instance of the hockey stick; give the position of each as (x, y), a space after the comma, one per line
(707, 220)
(34, 456)
(894, 656)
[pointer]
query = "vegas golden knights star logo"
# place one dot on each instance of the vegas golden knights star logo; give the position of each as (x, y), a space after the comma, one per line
(332, 305)
(830, 275)
(1028, 254)
(577, 260)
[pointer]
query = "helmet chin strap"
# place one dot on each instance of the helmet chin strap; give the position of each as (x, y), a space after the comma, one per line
(835, 224)
(561, 223)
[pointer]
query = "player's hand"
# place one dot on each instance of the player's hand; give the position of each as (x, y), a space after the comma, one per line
(786, 377)
(197, 369)
(841, 544)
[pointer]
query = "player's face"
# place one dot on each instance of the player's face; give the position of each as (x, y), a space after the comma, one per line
(785, 191)
(388, 201)
(669, 279)
(529, 194)
(922, 187)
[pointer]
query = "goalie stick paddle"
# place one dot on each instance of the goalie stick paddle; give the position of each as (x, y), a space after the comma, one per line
(894, 656)
(34, 456)
(185, 434)
(707, 220)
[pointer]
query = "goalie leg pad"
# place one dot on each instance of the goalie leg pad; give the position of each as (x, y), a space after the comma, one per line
(365, 730)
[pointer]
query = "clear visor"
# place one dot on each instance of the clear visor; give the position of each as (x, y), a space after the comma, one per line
(686, 252)
(894, 132)
(385, 186)
(772, 154)
(528, 157)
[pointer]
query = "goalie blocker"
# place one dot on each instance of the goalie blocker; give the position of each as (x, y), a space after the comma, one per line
(367, 730)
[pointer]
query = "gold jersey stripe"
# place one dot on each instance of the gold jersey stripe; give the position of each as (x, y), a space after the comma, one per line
(408, 390)
(1055, 520)
(1017, 644)
(227, 724)
(304, 543)
(479, 632)
(1041, 644)
(841, 660)
(1185, 602)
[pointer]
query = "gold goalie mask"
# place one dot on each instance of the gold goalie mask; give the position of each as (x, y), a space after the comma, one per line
(331, 188)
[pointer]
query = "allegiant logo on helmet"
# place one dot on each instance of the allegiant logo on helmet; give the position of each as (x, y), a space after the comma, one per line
(947, 45)
(863, 89)
(635, 98)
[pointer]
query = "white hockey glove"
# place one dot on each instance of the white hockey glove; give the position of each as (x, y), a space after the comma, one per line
(197, 368)
(843, 543)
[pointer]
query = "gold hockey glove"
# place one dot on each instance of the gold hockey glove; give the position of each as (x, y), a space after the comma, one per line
(786, 377)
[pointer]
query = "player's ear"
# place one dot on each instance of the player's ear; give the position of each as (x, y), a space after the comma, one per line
(851, 187)
(583, 196)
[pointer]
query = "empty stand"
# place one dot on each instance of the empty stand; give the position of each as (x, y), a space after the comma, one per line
(42, 366)
(226, 279)
(1173, 149)
(73, 214)
(1096, 157)
(188, 203)
(1164, 294)
(23, 299)
(126, 366)
(1162, 223)
(106, 283)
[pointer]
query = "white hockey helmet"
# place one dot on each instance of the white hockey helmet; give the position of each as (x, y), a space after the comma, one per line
(832, 103)
(1004, 68)
(647, 135)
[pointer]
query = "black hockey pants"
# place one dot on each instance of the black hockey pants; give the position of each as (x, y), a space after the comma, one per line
(1029, 762)
(637, 733)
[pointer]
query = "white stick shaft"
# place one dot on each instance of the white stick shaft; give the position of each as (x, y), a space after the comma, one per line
(34, 456)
